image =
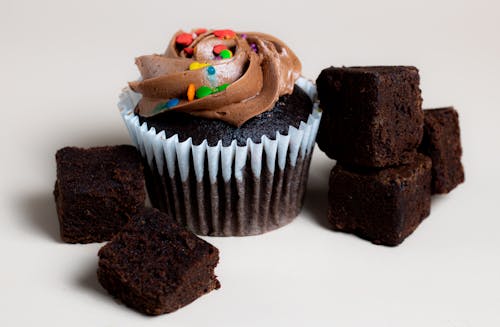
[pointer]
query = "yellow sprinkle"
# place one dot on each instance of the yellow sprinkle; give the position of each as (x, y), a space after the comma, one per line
(197, 65)
(191, 91)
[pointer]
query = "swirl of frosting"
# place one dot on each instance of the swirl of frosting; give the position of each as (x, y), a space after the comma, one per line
(216, 74)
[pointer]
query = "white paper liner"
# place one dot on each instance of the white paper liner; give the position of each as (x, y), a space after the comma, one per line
(299, 141)
(229, 161)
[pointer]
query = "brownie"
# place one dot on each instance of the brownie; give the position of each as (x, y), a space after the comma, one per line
(383, 206)
(96, 191)
(441, 142)
(155, 266)
(372, 116)
(288, 111)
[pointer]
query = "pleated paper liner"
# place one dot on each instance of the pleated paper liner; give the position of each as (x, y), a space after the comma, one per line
(226, 190)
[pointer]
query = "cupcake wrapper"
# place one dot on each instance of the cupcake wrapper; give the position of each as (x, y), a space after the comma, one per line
(226, 190)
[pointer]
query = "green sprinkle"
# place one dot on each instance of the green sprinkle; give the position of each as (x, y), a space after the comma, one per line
(203, 91)
(159, 107)
(221, 88)
(226, 54)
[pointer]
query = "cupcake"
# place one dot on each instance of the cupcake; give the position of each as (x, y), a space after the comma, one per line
(226, 126)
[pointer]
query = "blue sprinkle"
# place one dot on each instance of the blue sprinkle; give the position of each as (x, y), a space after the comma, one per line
(210, 70)
(212, 78)
(171, 103)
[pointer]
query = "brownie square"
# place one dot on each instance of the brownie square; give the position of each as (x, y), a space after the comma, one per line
(372, 116)
(155, 266)
(383, 206)
(96, 191)
(441, 142)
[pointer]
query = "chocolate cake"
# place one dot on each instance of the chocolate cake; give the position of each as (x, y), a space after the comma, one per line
(441, 143)
(289, 110)
(372, 116)
(192, 202)
(383, 206)
(227, 139)
(155, 266)
(96, 191)
(271, 201)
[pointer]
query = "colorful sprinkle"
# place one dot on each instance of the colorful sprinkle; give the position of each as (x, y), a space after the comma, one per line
(221, 88)
(197, 65)
(184, 39)
(224, 34)
(167, 105)
(159, 107)
(189, 51)
(172, 103)
(191, 92)
(199, 31)
(210, 70)
(203, 91)
(226, 54)
(243, 36)
(212, 77)
(218, 48)
(254, 47)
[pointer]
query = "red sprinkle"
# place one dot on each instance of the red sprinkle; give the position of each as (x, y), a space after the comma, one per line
(189, 51)
(200, 31)
(225, 34)
(184, 39)
(218, 48)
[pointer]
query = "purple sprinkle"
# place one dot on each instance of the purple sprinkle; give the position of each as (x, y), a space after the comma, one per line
(243, 36)
(218, 58)
(254, 47)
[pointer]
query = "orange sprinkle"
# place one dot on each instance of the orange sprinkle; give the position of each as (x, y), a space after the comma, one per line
(191, 92)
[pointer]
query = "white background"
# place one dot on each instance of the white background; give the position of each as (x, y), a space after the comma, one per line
(62, 66)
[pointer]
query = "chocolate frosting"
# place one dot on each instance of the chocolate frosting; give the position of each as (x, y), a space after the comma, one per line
(261, 70)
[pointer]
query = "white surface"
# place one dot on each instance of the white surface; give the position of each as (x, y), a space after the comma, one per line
(62, 66)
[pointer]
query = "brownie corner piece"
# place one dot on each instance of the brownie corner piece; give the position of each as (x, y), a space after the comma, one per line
(372, 116)
(441, 142)
(96, 191)
(383, 206)
(155, 266)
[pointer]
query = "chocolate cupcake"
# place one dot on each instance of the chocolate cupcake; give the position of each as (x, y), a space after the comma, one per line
(227, 127)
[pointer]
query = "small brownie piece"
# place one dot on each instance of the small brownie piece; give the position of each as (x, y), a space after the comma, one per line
(155, 266)
(372, 116)
(383, 206)
(97, 190)
(441, 143)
